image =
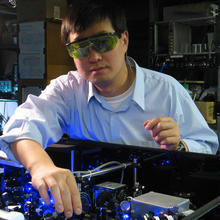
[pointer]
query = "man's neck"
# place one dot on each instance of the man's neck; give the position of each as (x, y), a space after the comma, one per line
(120, 85)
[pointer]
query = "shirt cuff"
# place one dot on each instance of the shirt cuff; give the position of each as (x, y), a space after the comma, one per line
(6, 149)
(200, 147)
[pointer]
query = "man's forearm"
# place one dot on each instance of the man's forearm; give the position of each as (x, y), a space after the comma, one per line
(45, 175)
(30, 154)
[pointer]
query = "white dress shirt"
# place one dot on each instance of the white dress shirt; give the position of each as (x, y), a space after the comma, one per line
(70, 104)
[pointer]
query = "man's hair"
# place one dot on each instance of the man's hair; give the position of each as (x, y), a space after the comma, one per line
(82, 14)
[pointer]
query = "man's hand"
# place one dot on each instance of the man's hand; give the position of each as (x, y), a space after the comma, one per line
(62, 186)
(45, 175)
(164, 131)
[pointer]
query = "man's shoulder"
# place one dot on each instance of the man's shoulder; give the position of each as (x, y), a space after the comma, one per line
(161, 81)
(154, 75)
(71, 78)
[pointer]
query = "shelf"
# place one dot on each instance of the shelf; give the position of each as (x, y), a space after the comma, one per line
(183, 54)
(30, 82)
(188, 36)
(191, 81)
(7, 11)
(191, 21)
(8, 47)
(190, 54)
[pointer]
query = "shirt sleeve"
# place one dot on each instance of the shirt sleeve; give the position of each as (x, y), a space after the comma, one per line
(42, 119)
(194, 129)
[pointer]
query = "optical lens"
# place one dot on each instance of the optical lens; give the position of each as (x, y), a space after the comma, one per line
(78, 50)
(100, 44)
(104, 44)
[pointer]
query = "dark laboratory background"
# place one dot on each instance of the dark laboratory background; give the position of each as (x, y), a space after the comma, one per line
(177, 37)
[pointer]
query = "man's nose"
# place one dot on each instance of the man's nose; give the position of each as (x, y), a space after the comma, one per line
(94, 56)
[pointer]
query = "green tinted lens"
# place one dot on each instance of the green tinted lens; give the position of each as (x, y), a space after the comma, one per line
(100, 44)
(78, 50)
(104, 43)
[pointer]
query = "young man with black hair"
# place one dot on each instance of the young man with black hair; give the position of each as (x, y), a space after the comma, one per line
(109, 98)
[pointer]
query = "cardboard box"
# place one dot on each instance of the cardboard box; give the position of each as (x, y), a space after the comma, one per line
(36, 10)
(58, 61)
(207, 110)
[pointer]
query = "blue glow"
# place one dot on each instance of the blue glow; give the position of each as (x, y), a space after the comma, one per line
(42, 204)
(90, 167)
(51, 201)
(41, 201)
(48, 211)
(125, 206)
(168, 161)
(39, 211)
(156, 212)
(86, 198)
(126, 216)
(28, 188)
(96, 194)
(162, 68)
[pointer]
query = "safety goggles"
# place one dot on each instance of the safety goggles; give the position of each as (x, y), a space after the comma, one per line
(100, 43)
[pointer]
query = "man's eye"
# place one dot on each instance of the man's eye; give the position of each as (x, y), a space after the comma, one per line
(83, 44)
(101, 44)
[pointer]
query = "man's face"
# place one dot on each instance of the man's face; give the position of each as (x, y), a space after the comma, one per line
(102, 69)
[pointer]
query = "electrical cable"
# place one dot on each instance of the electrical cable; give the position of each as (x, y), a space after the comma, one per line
(97, 168)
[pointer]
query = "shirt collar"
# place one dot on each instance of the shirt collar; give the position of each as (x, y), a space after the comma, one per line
(139, 89)
(138, 95)
(92, 91)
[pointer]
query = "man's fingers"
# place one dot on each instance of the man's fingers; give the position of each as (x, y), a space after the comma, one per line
(146, 122)
(55, 192)
(170, 143)
(166, 137)
(67, 200)
(42, 189)
(63, 188)
(75, 195)
(150, 124)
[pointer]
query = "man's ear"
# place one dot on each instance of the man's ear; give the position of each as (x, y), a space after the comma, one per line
(125, 38)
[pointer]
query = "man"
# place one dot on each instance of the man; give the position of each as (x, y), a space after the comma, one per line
(109, 98)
